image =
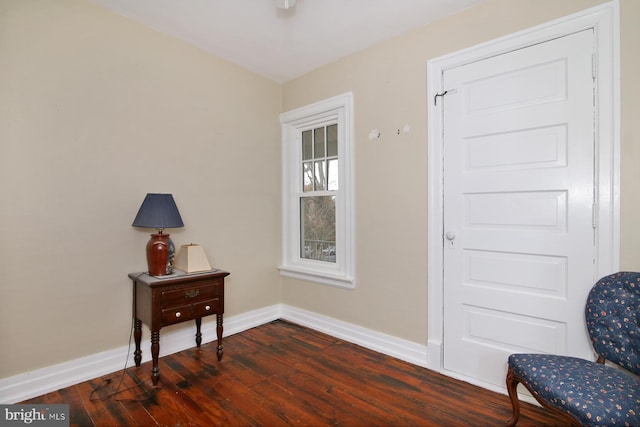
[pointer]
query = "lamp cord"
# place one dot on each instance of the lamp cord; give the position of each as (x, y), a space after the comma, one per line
(107, 381)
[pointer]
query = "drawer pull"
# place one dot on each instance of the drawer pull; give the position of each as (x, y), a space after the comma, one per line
(178, 314)
(192, 294)
(207, 307)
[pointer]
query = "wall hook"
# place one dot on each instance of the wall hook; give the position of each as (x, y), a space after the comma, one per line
(435, 98)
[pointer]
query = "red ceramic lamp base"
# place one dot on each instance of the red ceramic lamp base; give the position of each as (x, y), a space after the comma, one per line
(158, 254)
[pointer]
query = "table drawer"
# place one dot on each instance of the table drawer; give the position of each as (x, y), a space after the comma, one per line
(191, 294)
(205, 308)
(177, 314)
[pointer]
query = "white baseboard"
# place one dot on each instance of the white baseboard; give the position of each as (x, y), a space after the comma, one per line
(41, 381)
(51, 378)
(392, 346)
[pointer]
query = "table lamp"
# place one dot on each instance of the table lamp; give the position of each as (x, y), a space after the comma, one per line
(159, 211)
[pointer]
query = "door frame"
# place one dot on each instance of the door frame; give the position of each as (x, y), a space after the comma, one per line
(604, 19)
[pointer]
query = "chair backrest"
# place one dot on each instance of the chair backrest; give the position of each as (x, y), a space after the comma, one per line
(613, 319)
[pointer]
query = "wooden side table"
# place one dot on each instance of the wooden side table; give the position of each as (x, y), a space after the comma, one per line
(166, 300)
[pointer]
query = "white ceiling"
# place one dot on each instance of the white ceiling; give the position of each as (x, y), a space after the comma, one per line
(285, 44)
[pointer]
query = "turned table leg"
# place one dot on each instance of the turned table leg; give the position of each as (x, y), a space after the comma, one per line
(137, 335)
(155, 351)
(198, 333)
(219, 333)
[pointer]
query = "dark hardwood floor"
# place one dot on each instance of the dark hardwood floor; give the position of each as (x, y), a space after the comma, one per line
(282, 374)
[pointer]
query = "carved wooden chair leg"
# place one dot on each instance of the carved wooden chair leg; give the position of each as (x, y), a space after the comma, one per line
(512, 385)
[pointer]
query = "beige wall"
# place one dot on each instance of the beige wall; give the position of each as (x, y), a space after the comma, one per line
(389, 86)
(630, 135)
(96, 111)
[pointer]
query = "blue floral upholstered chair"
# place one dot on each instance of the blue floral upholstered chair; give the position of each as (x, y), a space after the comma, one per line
(584, 392)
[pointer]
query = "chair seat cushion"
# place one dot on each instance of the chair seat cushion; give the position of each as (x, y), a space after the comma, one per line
(594, 394)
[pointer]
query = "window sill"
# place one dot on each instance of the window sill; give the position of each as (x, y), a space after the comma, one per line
(318, 276)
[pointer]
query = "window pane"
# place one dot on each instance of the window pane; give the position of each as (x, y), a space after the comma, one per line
(321, 178)
(332, 175)
(318, 228)
(307, 145)
(307, 177)
(318, 146)
(332, 141)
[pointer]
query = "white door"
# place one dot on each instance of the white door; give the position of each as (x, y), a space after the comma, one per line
(518, 202)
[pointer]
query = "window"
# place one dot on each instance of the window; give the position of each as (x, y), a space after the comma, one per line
(317, 192)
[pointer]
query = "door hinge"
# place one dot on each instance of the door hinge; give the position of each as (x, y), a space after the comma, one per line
(594, 65)
(594, 215)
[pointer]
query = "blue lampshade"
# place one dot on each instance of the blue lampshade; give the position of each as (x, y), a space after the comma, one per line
(158, 211)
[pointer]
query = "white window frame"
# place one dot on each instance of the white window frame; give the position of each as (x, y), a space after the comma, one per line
(338, 109)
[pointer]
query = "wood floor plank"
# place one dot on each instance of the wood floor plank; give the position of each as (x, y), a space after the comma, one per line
(282, 374)
(79, 416)
(99, 413)
(197, 388)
